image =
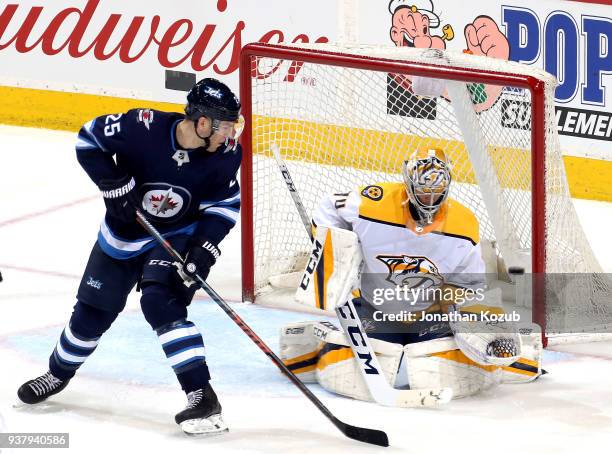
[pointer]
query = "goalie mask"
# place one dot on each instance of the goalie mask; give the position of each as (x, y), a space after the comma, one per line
(427, 178)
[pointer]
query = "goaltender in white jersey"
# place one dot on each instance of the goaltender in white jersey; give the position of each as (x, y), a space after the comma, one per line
(411, 257)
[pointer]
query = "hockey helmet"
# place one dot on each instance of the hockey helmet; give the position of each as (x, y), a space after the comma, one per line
(213, 99)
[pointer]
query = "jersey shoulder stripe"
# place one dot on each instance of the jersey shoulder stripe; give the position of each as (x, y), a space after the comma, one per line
(385, 203)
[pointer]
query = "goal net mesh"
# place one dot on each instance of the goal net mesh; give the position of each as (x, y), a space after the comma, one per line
(340, 128)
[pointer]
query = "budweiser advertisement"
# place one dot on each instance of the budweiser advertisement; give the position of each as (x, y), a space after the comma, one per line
(125, 48)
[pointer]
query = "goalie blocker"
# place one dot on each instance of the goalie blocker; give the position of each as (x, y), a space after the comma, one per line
(319, 352)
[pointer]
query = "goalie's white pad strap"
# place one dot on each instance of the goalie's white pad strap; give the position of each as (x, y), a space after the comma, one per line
(332, 270)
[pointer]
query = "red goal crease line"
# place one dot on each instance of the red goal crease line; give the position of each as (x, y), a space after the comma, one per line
(49, 210)
(36, 271)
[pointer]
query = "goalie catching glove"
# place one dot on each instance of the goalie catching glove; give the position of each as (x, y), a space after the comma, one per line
(487, 342)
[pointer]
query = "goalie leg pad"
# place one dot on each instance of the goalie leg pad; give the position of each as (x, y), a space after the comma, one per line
(440, 363)
(338, 372)
(319, 352)
(299, 350)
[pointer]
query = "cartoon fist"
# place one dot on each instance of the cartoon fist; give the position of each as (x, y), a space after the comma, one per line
(483, 37)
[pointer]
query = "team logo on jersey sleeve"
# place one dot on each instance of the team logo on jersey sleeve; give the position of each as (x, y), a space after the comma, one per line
(372, 192)
(412, 272)
(165, 202)
(145, 116)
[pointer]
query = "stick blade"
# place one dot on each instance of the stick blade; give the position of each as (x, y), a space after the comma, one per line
(371, 436)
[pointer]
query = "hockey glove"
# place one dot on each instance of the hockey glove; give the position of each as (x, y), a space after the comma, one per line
(199, 260)
(120, 198)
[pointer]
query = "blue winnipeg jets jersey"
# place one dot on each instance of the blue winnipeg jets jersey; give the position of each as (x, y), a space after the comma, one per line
(182, 192)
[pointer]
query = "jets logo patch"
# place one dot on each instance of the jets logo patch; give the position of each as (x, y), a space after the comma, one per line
(164, 202)
(411, 272)
(372, 192)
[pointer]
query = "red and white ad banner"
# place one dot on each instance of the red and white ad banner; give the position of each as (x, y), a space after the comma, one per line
(128, 48)
(124, 48)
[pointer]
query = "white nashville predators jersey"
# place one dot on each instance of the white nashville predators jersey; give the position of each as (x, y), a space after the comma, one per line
(397, 253)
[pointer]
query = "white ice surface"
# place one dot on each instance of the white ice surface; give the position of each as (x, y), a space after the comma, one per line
(125, 396)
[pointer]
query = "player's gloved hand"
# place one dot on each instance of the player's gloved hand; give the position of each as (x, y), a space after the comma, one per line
(120, 198)
(198, 261)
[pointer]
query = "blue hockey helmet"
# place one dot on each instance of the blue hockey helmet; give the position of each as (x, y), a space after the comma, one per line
(213, 99)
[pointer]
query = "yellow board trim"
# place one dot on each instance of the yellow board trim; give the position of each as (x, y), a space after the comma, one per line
(588, 178)
(64, 111)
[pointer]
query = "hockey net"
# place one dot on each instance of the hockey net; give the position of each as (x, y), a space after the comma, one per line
(348, 116)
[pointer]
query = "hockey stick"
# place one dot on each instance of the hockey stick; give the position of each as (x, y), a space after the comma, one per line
(292, 190)
(372, 436)
(370, 369)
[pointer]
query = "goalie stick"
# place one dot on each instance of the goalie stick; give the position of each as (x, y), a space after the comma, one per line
(292, 190)
(382, 392)
(372, 436)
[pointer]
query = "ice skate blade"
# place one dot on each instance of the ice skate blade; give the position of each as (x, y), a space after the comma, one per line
(204, 427)
(20, 404)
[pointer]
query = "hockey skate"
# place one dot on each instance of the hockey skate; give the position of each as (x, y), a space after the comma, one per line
(39, 389)
(202, 416)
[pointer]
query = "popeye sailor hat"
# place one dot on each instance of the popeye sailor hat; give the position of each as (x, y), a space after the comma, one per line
(422, 6)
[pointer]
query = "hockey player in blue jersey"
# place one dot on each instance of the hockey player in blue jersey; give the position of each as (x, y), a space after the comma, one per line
(180, 171)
